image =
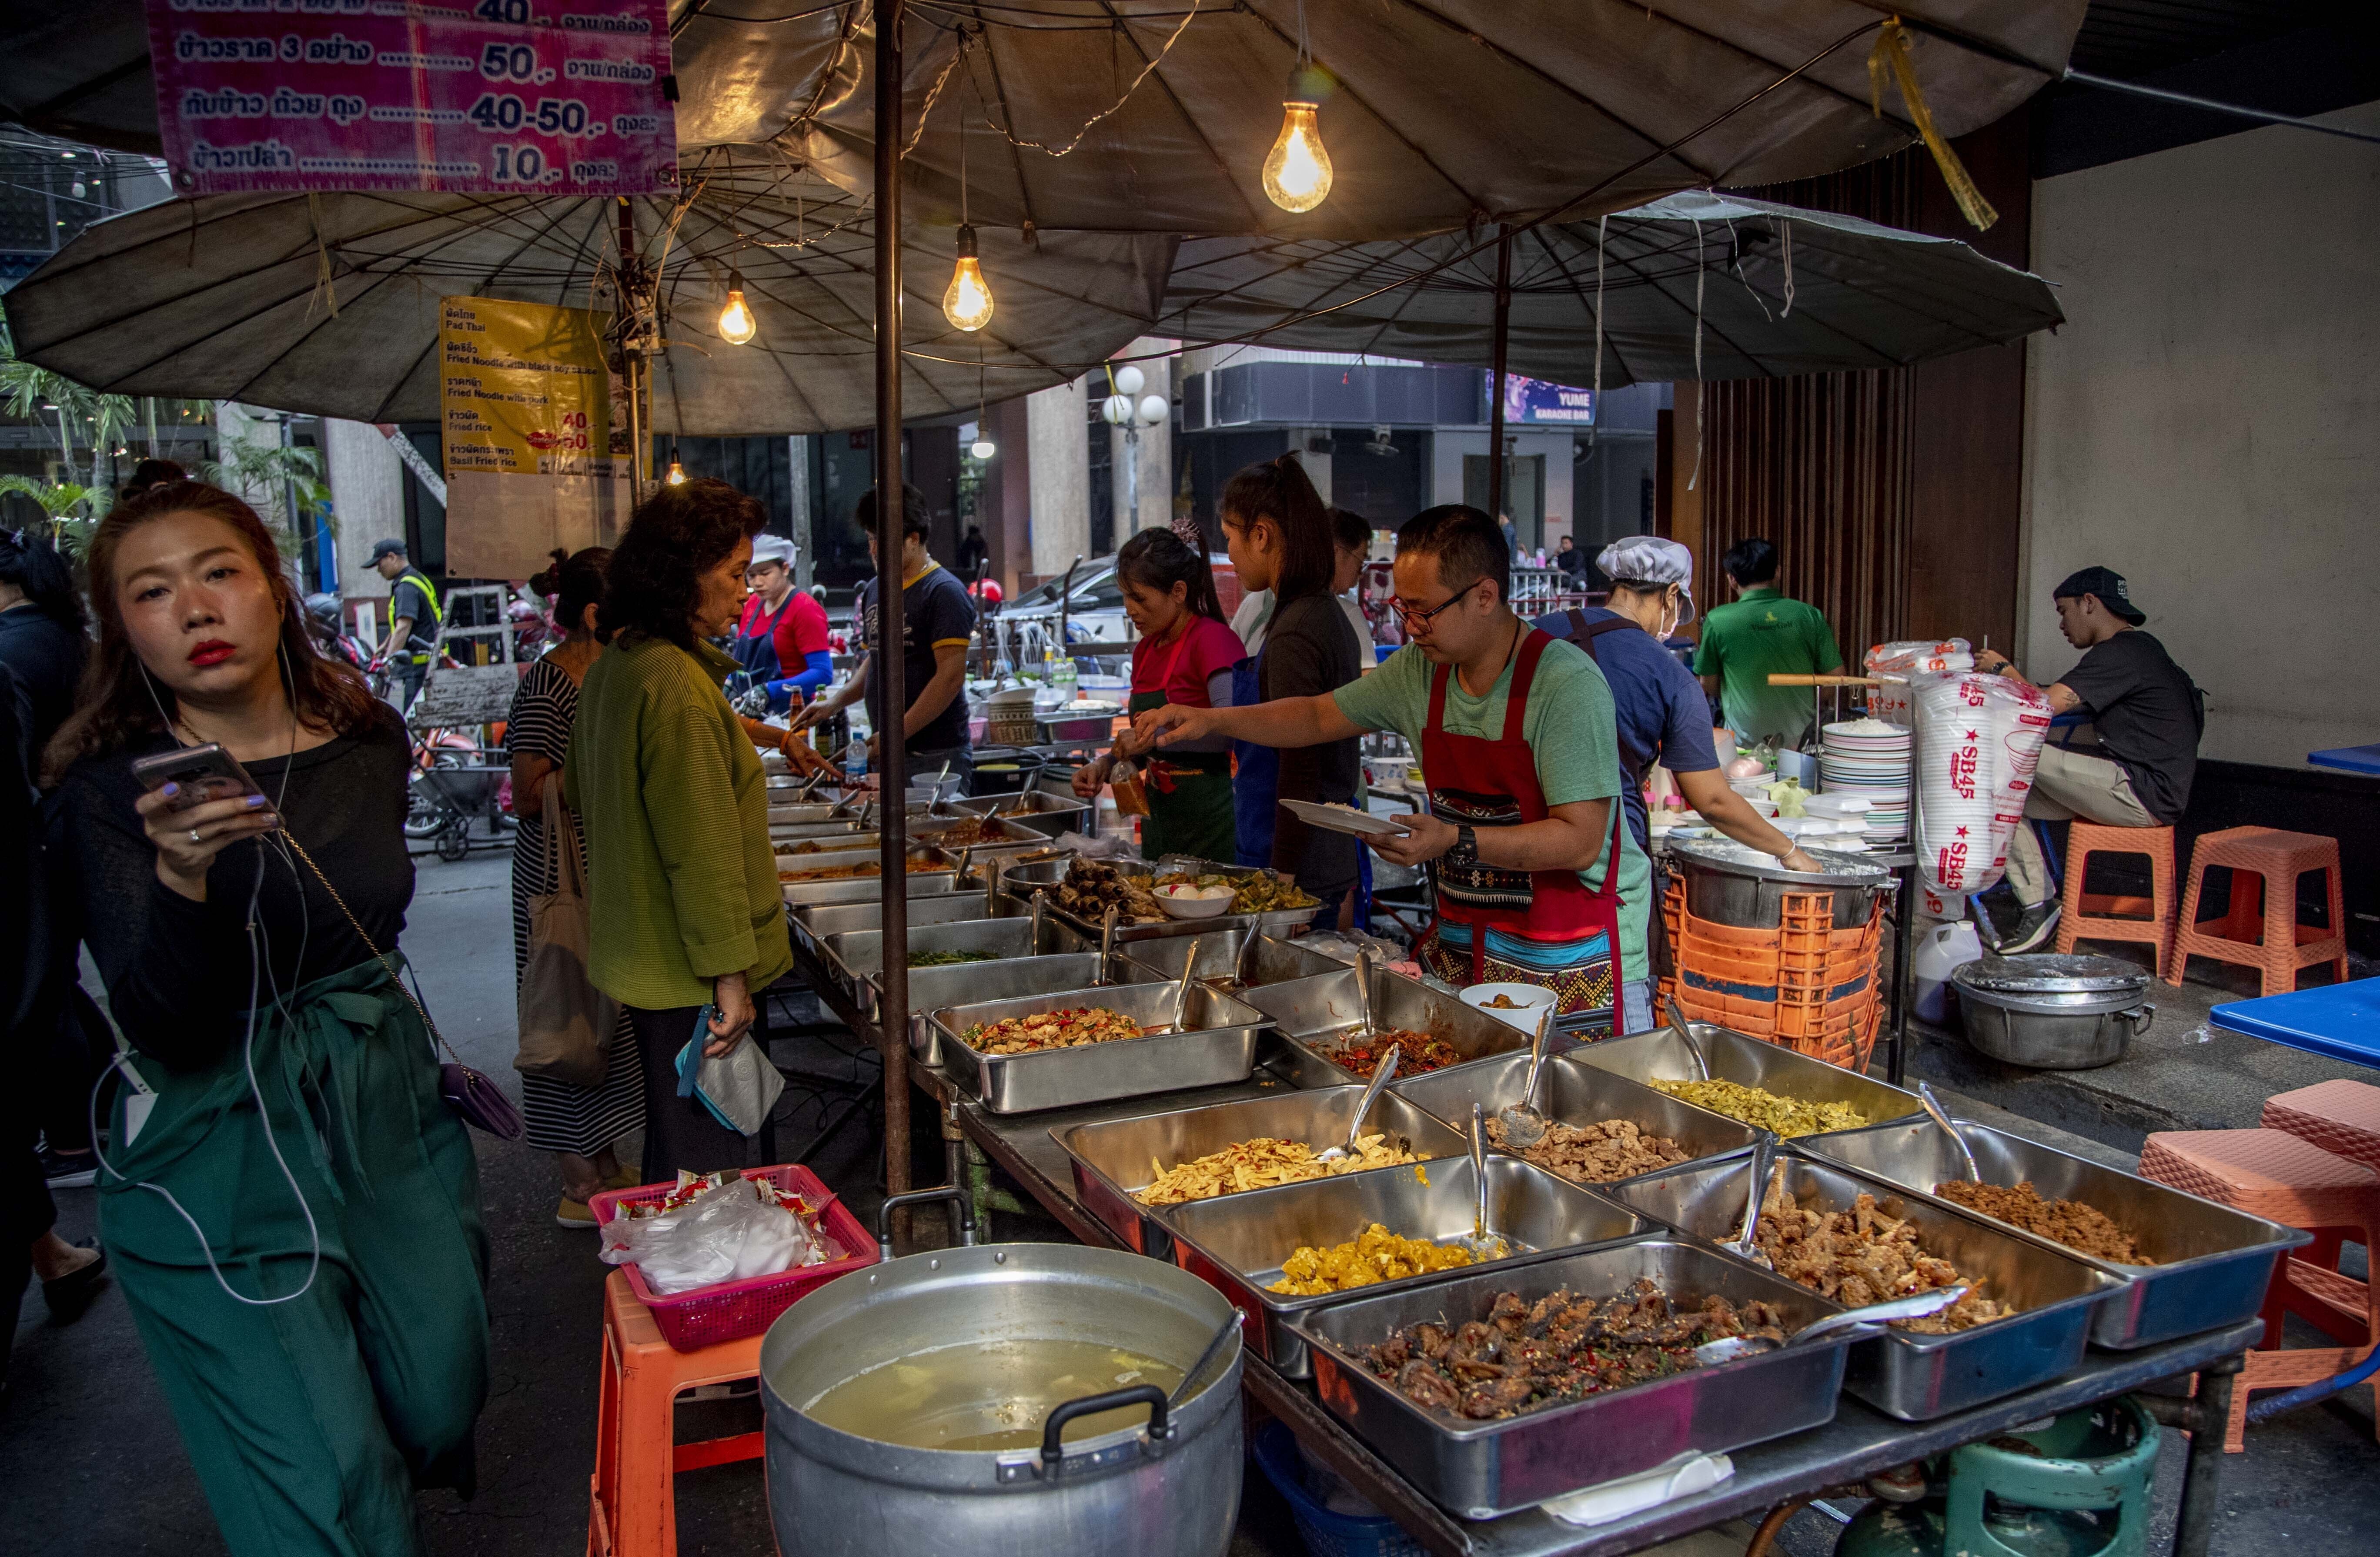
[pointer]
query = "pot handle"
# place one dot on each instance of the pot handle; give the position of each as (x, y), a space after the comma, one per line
(1052, 1452)
(949, 1192)
(2142, 1017)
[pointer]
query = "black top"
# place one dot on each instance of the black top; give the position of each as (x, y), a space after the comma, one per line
(178, 972)
(935, 610)
(45, 658)
(410, 599)
(1311, 649)
(2149, 717)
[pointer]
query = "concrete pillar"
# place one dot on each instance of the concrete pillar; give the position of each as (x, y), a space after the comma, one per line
(798, 500)
(1009, 530)
(1317, 466)
(366, 499)
(1556, 446)
(1061, 476)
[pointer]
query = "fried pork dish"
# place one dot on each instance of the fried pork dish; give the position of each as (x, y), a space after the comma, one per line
(1417, 1053)
(852, 872)
(1253, 891)
(1788, 1116)
(1566, 1347)
(1376, 1255)
(2084, 1229)
(1091, 888)
(967, 834)
(1261, 1164)
(1051, 1029)
(1864, 1255)
(1595, 1153)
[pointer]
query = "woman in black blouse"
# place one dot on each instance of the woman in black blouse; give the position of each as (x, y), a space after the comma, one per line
(297, 1197)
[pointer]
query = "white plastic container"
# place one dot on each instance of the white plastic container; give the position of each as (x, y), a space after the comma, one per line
(1935, 956)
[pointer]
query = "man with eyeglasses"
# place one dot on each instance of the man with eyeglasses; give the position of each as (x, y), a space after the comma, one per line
(1521, 753)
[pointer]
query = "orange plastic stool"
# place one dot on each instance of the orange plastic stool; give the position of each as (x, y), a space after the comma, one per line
(2265, 937)
(2342, 1117)
(633, 1512)
(2277, 1175)
(2101, 917)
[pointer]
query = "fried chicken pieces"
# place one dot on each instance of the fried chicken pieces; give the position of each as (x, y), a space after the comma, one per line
(1862, 1256)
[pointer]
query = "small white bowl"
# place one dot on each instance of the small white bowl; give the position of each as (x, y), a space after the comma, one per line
(1186, 902)
(1530, 1002)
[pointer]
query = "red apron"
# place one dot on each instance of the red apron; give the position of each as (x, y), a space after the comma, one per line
(1481, 783)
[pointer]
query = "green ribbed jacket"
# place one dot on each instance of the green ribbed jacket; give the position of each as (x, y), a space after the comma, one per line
(681, 880)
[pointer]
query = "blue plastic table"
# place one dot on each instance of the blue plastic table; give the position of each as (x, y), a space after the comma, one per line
(2341, 1021)
(2348, 759)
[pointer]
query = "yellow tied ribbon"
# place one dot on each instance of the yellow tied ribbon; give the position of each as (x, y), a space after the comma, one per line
(1891, 51)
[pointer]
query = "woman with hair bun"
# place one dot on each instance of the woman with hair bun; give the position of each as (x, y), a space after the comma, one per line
(578, 1125)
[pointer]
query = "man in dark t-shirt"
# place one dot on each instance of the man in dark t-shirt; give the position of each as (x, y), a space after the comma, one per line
(2149, 716)
(937, 620)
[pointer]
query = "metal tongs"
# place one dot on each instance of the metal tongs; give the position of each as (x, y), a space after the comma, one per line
(1363, 994)
(1382, 1073)
(1522, 1126)
(937, 806)
(1958, 1138)
(1183, 987)
(1861, 1322)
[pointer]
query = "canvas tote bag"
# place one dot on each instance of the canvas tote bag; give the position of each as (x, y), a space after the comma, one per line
(565, 1021)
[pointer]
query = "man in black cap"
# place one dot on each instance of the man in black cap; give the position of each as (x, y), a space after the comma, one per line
(2149, 716)
(413, 619)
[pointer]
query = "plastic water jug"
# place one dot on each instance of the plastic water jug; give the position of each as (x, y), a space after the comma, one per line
(1935, 955)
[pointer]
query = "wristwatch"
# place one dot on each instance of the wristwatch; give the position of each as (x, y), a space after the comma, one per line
(1466, 848)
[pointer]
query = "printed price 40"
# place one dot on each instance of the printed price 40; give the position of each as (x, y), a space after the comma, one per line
(550, 116)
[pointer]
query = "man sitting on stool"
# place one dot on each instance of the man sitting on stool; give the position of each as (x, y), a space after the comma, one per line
(2149, 715)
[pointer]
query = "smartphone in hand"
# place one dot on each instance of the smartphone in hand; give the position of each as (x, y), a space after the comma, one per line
(201, 772)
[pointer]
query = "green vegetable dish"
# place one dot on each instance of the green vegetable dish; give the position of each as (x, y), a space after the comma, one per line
(947, 959)
(1252, 892)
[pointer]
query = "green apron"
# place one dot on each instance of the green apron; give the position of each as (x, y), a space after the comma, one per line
(311, 1421)
(1189, 800)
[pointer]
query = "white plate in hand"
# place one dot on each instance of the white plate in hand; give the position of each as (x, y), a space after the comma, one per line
(1345, 818)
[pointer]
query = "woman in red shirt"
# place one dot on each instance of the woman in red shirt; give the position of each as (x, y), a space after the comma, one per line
(1185, 654)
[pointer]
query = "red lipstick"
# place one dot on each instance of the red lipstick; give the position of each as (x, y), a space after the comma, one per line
(212, 652)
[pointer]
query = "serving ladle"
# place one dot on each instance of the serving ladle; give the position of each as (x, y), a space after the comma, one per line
(1693, 1052)
(1872, 1318)
(1381, 1075)
(1522, 1125)
(1942, 1117)
(1482, 1245)
(1183, 987)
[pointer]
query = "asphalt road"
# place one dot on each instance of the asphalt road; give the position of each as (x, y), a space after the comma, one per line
(93, 1464)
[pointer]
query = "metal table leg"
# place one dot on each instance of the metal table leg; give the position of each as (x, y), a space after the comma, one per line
(2205, 1415)
(1896, 1057)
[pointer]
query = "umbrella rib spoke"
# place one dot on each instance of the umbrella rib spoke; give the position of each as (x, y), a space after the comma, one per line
(1189, 120)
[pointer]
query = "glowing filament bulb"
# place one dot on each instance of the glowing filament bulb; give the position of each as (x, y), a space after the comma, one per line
(736, 324)
(676, 476)
(1297, 170)
(967, 301)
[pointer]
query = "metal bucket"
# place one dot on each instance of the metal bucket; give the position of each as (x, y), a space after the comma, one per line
(1750, 894)
(837, 1494)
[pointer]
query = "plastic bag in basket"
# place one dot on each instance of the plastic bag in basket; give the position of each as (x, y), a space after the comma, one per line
(728, 1232)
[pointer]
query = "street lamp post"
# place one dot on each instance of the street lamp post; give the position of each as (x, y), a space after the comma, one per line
(1122, 409)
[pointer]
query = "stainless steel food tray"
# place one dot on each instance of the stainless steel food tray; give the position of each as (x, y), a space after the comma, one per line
(1915, 1378)
(1308, 1014)
(854, 958)
(1658, 1057)
(1276, 961)
(932, 988)
(813, 922)
(813, 813)
(1575, 1094)
(1482, 1469)
(1236, 1243)
(1115, 1159)
(1216, 1045)
(869, 889)
(1043, 812)
(2214, 1263)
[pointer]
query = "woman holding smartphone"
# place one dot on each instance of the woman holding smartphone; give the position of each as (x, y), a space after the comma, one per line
(689, 922)
(292, 1211)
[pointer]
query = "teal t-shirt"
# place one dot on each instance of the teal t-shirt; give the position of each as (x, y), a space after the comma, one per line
(1569, 723)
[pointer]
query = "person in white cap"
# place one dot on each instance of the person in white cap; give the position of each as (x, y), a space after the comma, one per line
(1662, 713)
(781, 639)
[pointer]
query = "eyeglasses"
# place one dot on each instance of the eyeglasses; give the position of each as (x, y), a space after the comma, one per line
(1413, 618)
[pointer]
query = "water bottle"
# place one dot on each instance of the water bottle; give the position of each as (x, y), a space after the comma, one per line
(855, 763)
(1065, 677)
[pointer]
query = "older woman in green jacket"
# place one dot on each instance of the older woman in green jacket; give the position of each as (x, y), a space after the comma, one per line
(682, 885)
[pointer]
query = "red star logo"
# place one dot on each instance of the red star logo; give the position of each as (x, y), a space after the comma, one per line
(1971, 735)
(1962, 831)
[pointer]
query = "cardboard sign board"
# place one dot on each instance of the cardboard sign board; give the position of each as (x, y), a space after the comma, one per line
(457, 697)
(560, 97)
(534, 436)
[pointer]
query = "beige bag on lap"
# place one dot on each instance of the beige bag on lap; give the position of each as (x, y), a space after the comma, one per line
(565, 1022)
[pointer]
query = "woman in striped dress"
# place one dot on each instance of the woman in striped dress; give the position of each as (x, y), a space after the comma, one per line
(580, 1125)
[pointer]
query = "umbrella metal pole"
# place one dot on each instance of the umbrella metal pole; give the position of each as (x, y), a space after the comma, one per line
(889, 672)
(631, 362)
(1495, 404)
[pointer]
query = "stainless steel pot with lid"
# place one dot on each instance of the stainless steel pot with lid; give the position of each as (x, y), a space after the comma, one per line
(1728, 883)
(2053, 1011)
(1163, 1485)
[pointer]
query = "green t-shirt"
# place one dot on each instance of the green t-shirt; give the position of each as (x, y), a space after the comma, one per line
(1745, 642)
(1569, 723)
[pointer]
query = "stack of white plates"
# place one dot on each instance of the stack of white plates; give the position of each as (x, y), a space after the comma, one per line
(1869, 758)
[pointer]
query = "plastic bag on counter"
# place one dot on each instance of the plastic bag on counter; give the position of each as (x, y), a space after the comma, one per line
(1899, 663)
(1978, 742)
(1107, 846)
(729, 1228)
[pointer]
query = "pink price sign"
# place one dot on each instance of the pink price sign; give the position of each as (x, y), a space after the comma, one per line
(561, 97)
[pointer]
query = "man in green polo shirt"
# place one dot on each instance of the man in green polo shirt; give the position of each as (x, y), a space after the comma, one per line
(1758, 634)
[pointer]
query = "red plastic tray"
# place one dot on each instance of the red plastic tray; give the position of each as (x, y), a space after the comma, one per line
(732, 1311)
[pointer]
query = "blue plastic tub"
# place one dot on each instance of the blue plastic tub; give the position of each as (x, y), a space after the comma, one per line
(1326, 1534)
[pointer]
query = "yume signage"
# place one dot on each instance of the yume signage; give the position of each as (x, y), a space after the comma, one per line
(1536, 400)
(534, 436)
(563, 97)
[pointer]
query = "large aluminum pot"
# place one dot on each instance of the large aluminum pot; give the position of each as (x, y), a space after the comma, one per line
(833, 1494)
(2052, 1012)
(1729, 884)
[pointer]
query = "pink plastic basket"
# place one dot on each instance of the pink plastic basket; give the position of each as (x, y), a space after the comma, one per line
(732, 1311)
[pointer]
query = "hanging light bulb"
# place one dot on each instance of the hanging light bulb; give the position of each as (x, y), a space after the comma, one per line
(967, 302)
(736, 325)
(1297, 170)
(676, 476)
(983, 448)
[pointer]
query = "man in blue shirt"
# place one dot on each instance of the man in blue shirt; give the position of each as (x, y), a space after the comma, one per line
(1662, 713)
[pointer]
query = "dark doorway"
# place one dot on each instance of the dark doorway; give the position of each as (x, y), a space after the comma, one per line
(1378, 472)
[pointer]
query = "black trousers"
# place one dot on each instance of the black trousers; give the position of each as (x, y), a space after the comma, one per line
(679, 1132)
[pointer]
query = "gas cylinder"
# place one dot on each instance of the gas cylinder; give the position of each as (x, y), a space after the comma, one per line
(2077, 1486)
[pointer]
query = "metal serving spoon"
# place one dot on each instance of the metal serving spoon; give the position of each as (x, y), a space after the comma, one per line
(1872, 1318)
(1362, 992)
(1182, 989)
(1764, 1168)
(1694, 1050)
(1482, 1245)
(1381, 1075)
(1942, 1117)
(1182, 1391)
(1522, 1126)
